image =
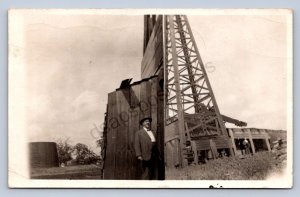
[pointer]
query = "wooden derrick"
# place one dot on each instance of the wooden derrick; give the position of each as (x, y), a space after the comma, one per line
(189, 96)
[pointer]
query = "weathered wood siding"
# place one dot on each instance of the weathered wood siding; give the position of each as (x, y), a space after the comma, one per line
(149, 23)
(126, 108)
(172, 144)
(243, 133)
(153, 57)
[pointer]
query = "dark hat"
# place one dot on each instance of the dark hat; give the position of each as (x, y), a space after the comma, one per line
(147, 118)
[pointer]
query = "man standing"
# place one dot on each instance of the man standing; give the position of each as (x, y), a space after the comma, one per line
(247, 146)
(145, 149)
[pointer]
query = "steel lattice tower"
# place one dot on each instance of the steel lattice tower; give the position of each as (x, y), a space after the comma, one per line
(189, 96)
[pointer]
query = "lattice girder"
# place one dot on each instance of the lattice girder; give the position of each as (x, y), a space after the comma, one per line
(187, 85)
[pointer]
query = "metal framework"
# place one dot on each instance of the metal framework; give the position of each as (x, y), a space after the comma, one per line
(189, 99)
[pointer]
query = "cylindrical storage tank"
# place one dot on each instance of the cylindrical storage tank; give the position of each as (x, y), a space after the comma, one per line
(43, 154)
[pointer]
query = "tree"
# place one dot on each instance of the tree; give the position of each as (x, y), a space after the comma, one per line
(64, 150)
(99, 142)
(84, 155)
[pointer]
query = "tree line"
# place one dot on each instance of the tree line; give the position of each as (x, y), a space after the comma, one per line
(79, 154)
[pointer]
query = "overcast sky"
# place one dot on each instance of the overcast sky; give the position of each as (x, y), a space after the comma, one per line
(74, 61)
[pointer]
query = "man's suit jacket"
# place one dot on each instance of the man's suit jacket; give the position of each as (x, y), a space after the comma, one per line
(143, 144)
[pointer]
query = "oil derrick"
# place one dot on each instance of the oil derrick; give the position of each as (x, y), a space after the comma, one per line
(191, 107)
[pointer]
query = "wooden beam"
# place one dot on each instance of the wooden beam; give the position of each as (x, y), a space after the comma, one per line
(183, 162)
(146, 38)
(251, 140)
(213, 149)
(193, 144)
(232, 140)
(267, 140)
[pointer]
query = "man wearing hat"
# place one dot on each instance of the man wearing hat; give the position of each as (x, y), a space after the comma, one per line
(145, 148)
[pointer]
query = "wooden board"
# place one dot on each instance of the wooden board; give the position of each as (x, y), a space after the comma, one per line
(153, 56)
(152, 101)
(145, 92)
(202, 144)
(222, 142)
(160, 120)
(255, 133)
(112, 123)
(122, 133)
(134, 113)
(171, 131)
(172, 153)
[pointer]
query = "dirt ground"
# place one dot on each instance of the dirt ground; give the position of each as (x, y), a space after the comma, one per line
(250, 167)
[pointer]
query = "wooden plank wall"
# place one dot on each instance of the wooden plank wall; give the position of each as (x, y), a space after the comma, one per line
(109, 160)
(204, 143)
(125, 108)
(255, 133)
(153, 57)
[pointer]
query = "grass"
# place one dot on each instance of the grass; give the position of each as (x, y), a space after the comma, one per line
(256, 167)
(68, 172)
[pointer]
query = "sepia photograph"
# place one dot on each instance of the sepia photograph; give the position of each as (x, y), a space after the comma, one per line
(198, 98)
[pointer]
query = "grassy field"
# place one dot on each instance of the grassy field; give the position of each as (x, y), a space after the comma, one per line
(69, 172)
(251, 167)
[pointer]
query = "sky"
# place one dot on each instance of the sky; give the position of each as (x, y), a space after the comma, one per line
(246, 59)
(73, 61)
